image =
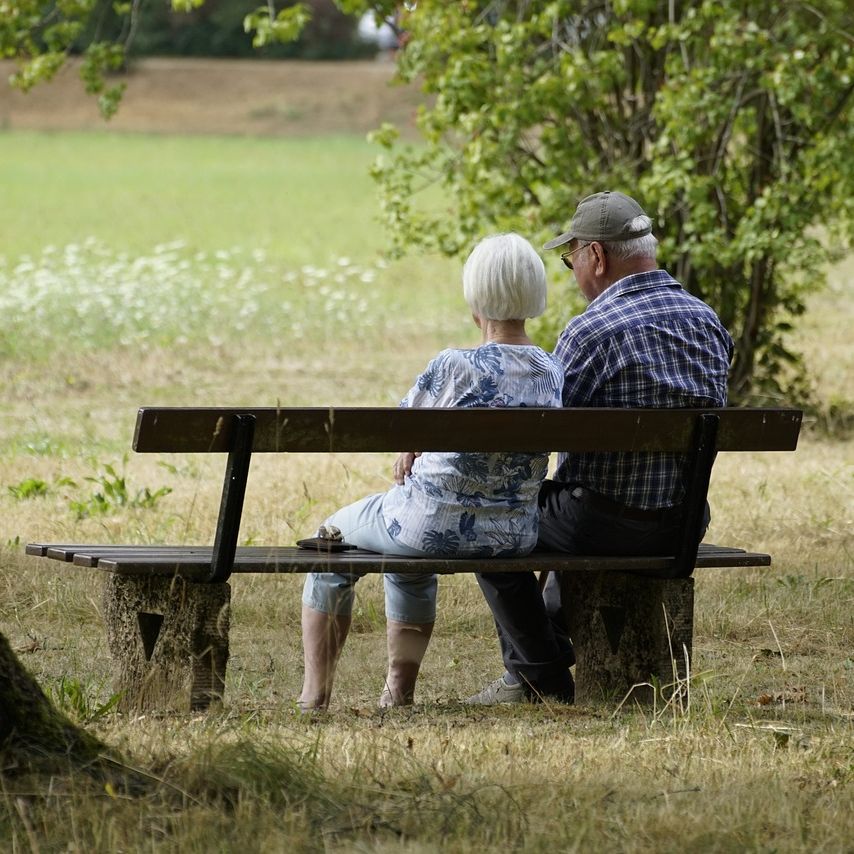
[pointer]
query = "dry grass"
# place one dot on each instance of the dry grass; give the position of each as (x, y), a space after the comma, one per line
(761, 761)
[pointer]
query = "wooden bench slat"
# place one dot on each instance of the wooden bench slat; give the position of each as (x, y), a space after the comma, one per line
(37, 549)
(380, 429)
(66, 551)
(90, 557)
(72, 553)
(202, 554)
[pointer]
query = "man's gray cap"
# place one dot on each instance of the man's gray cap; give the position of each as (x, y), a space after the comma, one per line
(603, 217)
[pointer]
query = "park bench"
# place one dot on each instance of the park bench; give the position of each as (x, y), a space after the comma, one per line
(166, 608)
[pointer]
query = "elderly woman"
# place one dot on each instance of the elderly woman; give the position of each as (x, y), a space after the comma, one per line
(452, 504)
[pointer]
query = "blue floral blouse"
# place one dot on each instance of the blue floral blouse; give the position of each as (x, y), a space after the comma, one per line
(475, 504)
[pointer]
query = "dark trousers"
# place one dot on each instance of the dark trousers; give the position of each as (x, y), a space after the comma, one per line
(534, 640)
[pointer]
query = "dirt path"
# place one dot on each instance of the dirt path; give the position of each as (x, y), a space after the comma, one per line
(223, 96)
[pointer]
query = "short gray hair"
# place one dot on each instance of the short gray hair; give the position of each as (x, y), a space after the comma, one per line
(637, 247)
(505, 279)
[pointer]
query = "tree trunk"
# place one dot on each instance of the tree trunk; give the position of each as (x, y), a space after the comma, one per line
(32, 731)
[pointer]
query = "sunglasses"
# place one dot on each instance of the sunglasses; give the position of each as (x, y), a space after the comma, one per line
(567, 255)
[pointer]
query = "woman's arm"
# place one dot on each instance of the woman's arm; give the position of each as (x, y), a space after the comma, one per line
(427, 391)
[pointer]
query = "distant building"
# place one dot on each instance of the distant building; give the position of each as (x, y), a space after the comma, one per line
(383, 36)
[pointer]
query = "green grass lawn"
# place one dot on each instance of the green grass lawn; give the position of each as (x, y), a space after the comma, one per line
(227, 271)
(300, 200)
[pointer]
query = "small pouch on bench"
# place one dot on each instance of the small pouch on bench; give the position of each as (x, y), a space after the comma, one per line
(324, 544)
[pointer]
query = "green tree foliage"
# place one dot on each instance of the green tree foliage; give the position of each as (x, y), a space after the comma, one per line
(729, 119)
(40, 34)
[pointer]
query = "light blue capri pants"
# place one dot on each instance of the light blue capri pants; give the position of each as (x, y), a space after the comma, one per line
(409, 598)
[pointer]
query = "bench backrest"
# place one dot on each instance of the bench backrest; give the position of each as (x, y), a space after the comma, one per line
(348, 430)
(698, 433)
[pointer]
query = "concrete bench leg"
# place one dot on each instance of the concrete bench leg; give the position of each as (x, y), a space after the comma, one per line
(168, 639)
(627, 630)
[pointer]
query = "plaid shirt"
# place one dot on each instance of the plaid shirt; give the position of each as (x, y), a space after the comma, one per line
(643, 342)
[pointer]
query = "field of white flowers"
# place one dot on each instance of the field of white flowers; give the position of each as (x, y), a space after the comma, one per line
(90, 296)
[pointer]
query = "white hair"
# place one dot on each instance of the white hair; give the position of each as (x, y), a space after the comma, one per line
(505, 279)
(636, 247)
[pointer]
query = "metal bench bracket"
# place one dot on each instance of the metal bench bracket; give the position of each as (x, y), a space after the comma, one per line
(233, 492)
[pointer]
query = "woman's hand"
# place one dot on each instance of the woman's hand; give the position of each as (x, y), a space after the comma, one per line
(403, 465)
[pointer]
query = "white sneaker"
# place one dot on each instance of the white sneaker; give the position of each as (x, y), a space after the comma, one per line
(497, 693)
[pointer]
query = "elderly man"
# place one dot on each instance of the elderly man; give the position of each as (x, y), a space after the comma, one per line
(642, 341)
